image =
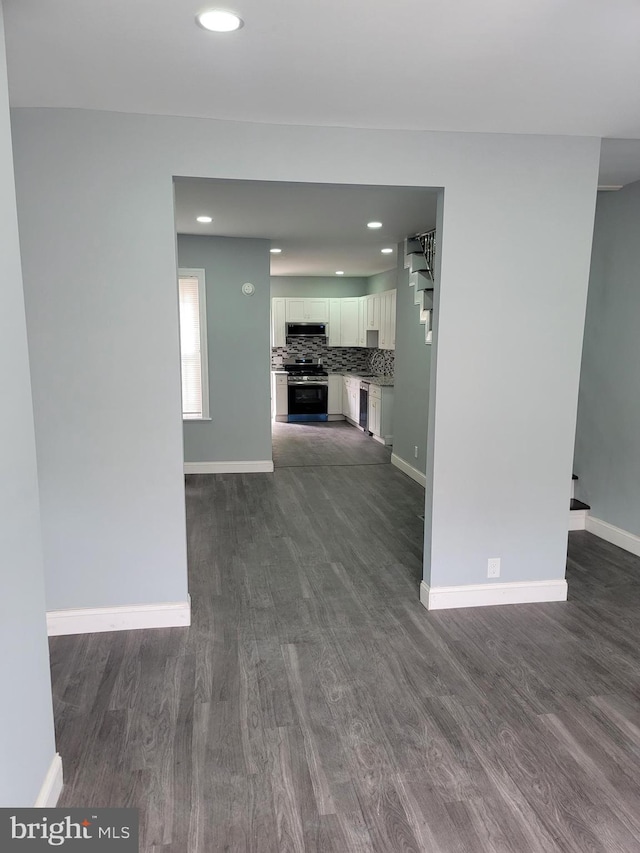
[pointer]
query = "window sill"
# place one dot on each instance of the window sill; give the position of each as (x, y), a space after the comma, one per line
(194, 420)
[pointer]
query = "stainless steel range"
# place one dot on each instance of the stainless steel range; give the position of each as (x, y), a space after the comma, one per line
(308, 390)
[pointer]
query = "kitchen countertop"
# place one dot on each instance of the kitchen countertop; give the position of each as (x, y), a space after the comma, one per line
(374, 379)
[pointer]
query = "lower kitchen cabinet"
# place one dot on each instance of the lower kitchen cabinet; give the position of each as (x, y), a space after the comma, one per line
(351, 398)
(334, 403)
(380, 414)
(279, 396)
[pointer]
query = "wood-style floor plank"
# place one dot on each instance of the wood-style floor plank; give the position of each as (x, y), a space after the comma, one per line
(314, 706)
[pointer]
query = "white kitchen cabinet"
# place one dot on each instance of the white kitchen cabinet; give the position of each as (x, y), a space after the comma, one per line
(348, 321)
(362, 321)
(374, 414)
(366, 338)
(334, 401)
(387, 332)
(314, 310)
(335, 335)
(380, 413)
(279, 396)
(373, 312)
(351, 398)
(278, 322)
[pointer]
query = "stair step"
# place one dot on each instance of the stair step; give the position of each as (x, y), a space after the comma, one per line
(575, 504)
(421, 280)
(417, 263)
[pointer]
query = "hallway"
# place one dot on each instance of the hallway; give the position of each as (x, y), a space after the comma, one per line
(314, 705)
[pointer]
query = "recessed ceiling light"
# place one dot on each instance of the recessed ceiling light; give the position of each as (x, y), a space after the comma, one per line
(386, 251)
(339, 272)
(275, 251)
(374, 224)
(219, 21)
(204, 219)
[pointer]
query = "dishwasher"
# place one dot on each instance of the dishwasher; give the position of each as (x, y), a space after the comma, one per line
(364, 406)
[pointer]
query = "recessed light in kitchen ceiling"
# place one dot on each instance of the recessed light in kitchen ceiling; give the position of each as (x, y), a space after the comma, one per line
(386, 251)
(204, 219)
(374, 224)
(275, 251)
(339, 272)
(219, 21)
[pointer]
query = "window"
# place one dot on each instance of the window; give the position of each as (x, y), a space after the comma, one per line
(193, 345)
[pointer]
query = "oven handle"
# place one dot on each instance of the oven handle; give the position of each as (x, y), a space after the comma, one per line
(319, 384)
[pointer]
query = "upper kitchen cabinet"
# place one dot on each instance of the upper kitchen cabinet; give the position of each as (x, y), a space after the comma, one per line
(349, 321)
(307, 310)
(335, 314)
(278, 322)
(373, 312)
(387, 332)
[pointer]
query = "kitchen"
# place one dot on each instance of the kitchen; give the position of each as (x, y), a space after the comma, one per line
(333, 360)
(308, 252)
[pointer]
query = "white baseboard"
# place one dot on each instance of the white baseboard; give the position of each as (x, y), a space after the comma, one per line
(336, 417)
(94, 620)
(578, 519)
(409, 470)
(488, 594)
(252, 466)
(616, 535)
(51, 787)
(387, 440)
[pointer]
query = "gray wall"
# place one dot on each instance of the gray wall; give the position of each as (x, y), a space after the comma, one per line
(26, 718)
(239, 350)
(97, 229)
(607, 452)
(386, 280)
(311, 285)
(413, 360)
(98, 247)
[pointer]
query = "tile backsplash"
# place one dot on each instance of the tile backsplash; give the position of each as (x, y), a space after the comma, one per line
(336, 358)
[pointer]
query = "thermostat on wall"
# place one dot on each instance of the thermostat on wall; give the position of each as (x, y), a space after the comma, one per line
(248, 289)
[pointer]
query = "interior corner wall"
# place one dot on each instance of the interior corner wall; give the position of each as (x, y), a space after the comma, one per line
(382, 281)
(412, 375)
(97, 233)
(27, 745)
(238, 349)
(607, 449)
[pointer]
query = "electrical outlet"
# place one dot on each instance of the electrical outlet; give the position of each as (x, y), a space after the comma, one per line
(493, 567)
(415, 451)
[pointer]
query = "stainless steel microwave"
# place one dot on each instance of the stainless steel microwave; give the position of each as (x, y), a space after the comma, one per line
(307, 330)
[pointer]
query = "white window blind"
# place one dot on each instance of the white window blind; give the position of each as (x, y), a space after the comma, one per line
(195, 397)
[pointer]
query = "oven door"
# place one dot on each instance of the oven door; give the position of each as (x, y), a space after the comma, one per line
(308, 401)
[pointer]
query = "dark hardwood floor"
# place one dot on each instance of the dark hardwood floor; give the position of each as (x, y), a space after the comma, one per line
(314, 705)
(330, 443)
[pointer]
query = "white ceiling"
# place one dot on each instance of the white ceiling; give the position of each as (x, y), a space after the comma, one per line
(542, 66)
(320, 228)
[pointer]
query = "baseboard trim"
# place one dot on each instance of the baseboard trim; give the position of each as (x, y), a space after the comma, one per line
(409, 470)
(387, 440)
(616, 535)
(51, 787)
(96, 620)
(489, 594)
(252, 466)
(578, 519)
